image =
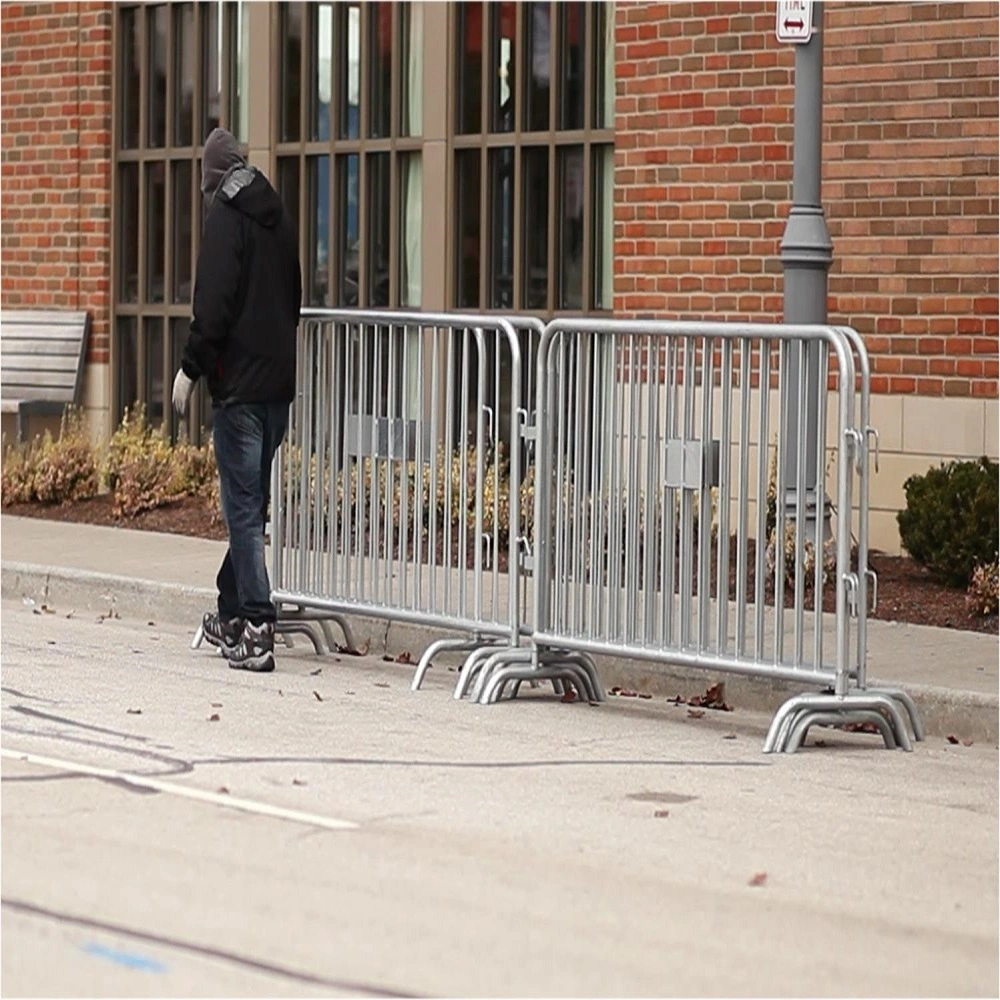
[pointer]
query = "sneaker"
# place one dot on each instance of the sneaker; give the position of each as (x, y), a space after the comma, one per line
(223, 633)
(255, 649)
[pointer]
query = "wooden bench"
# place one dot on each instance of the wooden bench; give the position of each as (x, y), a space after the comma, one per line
(41, 362)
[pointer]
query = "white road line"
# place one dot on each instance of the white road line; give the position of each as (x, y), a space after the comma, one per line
(215, 798)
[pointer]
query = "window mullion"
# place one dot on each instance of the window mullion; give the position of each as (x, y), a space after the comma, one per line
(589, 23)
(552, 209)
(364, 130)
(523, 59)
(394, 256)
(485, 227)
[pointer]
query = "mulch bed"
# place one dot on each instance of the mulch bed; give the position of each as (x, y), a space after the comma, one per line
(906, 593)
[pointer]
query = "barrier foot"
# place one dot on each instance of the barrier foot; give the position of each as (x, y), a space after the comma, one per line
(496, 661)
(470, 668)
(288, 628)
(912, 712)
(439, 646)
(797, 714)
(807, 719)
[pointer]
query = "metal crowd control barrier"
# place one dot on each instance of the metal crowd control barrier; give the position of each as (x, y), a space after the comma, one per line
(396, 491)
(654, 504)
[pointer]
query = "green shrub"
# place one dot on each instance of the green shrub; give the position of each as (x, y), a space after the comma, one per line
(950, 520)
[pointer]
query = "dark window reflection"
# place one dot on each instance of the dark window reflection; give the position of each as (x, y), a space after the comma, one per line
(470, 66)
(288, 186)
(153, 386)
(157, 87)
(128, 288)
(348, 204)
(211, 79)
(127, 363)
(538, 66)
(350, 71)
(156, 213)
(378, 229)
(502, 228)
(502, 80)
(131, 90)
(184, 70)
(468, 227)
(604, 224)
(182, 220)
(572, 25)
(604, 66)
(318, 277)
(322, 81)
(570, 227)
(535, 170)
(291, 70)
(179, 327)
(380, 69)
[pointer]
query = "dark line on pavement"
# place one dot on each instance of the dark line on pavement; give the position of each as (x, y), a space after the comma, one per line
(174, 764)
(476, 764)
(24, 694)
(36, 714)
(75, 776)
(348, 986)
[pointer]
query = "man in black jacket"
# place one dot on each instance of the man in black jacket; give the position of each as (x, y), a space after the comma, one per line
(247, 297)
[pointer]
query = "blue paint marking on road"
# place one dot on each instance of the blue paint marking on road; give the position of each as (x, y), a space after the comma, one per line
(129, 959)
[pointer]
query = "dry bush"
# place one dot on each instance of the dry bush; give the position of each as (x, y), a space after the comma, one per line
(983, 595)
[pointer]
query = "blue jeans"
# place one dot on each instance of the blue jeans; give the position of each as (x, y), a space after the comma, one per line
(246, 436)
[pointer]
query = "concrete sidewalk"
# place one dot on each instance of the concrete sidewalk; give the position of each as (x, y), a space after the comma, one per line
(953, 675)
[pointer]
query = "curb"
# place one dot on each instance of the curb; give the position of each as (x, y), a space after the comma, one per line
(945, 711)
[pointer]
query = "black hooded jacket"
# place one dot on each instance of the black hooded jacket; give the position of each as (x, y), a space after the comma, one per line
(247, 295)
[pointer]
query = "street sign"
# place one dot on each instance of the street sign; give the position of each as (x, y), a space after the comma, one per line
(794, 20)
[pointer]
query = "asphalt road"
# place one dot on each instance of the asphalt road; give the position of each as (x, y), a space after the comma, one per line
(175, 828)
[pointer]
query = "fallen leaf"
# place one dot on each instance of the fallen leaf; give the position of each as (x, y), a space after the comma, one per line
(347, 651)
(48, 610)
(820, 743)
(51, 642)
(729, 736)
(35, 611)
(314, 673)
(695, 713)
(386, 658)
(134, 711)
(223, 790)
(646, 696)
(381, 684)
(404, 657)
(615, 691)
(296, 781)
(629, 694)
(349, 692)
(152, 624)
(317, 696)
(568, 697)
(953, 739)
(661, 814)
(676, 700)
(71, 613)
(214, 717)
(216, 704)
(595, 704)
(759, 879)
(966, 743)
(281, 694)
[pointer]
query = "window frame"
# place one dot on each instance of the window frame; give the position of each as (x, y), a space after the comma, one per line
(144, 312)
(592, 138)
(339, 148)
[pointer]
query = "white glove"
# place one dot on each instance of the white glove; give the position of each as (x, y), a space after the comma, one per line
(182, 391)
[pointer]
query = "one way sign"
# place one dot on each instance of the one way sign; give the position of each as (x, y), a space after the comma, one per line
(794, 20)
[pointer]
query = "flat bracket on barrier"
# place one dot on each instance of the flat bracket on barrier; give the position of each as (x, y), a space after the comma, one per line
(691, 464)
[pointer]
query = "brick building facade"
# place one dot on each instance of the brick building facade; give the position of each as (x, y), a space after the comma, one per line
(702, 146)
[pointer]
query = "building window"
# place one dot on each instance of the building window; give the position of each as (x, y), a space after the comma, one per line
(349, 120)
(180, 71)
(534, 156)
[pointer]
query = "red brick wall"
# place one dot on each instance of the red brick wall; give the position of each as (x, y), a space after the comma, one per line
(704, 131)
(55, 184)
